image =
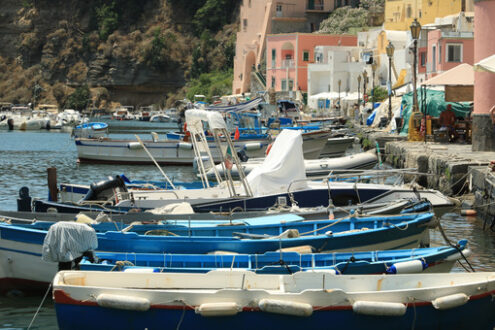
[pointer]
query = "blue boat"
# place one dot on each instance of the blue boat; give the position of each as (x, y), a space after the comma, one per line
(435, 259)
(91, 130)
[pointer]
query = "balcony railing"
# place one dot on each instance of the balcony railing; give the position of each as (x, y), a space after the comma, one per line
(315, 6)
(287, 64)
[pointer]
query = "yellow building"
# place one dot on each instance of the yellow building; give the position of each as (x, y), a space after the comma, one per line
(399, 14)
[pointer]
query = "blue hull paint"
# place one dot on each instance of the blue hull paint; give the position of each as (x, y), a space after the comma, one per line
(476, 314)
(406, 236)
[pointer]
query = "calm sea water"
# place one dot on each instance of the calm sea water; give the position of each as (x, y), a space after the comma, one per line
(25, 156)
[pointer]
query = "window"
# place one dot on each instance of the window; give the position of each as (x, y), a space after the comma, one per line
(273, 82)
(244, 24)
(279, 10)
(306, 55)
(274, 60)
(288, 56)
(454, 53)
(423, 58)
(434, 58)
(439, 53)
(249, 3)
(291, 84)
(284, 84)
(409, 11)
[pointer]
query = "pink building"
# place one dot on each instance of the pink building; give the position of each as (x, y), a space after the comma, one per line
(288, 56)
(258, 18)
(447, 50)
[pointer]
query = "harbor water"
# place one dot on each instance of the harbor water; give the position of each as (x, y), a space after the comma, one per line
(25, 156)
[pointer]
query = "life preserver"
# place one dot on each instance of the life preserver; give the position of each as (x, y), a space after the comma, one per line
(186, 132)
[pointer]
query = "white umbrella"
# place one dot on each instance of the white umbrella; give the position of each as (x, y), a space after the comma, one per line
(486, 65)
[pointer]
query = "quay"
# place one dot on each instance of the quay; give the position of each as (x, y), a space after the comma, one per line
(454, 169)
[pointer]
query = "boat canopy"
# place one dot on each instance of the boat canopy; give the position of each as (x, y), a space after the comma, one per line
(282, 168)
(194, 118)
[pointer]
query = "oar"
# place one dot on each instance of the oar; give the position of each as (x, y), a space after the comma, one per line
(154, 161)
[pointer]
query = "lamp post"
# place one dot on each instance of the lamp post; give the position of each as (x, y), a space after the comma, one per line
(415, 30)
(365, 80)
(390, 53)
(359, 90)
(373, 70)
(339, 82)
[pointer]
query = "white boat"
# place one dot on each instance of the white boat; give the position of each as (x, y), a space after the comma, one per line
(92, 130)
(244, 300)
(314, 167)
(22, 118)
(161, 118)
(123, 113)
(69, 118)
(337, 146)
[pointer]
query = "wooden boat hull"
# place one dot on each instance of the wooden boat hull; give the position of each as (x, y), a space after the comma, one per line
(242, 300)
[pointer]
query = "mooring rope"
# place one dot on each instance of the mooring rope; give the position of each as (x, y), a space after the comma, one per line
(39, 307)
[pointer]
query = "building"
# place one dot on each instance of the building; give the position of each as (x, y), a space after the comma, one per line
(258, 18)
(288, 57)
(399, 14)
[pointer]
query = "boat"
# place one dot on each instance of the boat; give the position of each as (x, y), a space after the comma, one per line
(423, 260)
(243, 300)
(69, 118)
(21, 265)
(313, 167)
(337, 146)
(92, 130)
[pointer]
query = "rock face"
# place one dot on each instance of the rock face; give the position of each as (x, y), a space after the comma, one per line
(60, 41)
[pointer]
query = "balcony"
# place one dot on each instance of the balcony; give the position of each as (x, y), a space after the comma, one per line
(287, 64)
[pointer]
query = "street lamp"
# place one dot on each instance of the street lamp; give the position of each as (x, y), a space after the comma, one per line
(365, 80)
(359, 90)
(390, 53)
(339, 82)
(415, 30)
(373, 70)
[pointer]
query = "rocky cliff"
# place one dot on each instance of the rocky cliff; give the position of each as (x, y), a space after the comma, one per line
(130, 51)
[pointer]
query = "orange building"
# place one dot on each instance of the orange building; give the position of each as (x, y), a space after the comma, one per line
(288, 56)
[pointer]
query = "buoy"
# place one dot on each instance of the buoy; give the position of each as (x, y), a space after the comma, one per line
(253, 146)
(123, 302)
(407, 267)
(218, 309)
(448, 302)
(285, 307)
(185, 146)
(134, 145)
(468, 212)
(378, 308)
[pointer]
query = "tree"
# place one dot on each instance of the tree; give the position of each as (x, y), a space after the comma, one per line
(343, 19)
(79, 99)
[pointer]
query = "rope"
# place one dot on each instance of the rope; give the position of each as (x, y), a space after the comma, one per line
(121, 263)
(454, 246)
(324, 227)
(39, 307)
(395, 226)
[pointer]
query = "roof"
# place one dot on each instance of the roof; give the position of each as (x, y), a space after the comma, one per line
(461, 75)
(486, 64)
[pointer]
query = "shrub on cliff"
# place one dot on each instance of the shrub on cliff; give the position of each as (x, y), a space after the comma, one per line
(79, 99)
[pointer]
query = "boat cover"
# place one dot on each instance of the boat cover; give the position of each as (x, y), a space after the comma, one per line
(195, 117)
(66, 241)
(283, 164)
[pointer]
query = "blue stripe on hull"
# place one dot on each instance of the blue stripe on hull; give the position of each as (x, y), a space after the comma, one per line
(477, 314)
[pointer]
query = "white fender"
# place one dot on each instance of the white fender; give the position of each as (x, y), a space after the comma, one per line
(447, 302)
(378, 308)
(467, 252)
(123, 302)
(218, 309)
(407, 267)
(253, 146)
(134, 145)
(329, 271)
(184, 145)
(141, 270)
(285, 307)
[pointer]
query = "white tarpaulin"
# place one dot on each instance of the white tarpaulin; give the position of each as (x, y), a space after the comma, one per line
(283, 164)
(486, 64)
(66, 241)
(195, 118)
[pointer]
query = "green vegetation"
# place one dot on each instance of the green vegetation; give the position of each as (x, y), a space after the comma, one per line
(213, 15)
(210, 84)
(156, 55)
(79, 99)
(351, 20)
(107, 19)
(379, 94)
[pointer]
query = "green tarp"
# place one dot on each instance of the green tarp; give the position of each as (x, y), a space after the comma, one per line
(435, 104)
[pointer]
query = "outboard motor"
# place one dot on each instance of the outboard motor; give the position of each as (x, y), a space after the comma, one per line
(104, 190)
(67, 242)
(242, 155)
(24, 200)
(10, 123)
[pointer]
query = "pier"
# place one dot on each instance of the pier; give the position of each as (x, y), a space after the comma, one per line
(454, 169)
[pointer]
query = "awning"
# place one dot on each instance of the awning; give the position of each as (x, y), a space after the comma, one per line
(486, 65)
(461, 75)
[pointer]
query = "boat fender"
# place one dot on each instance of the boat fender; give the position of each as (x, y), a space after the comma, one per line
(465, 252)
(218, 309)
(285, 307)
(378, 308)
(141, 270)
(329, 271)
(184, 145)
(452, 301)
(253, 146)
(123, 302)
(407, 267)
(134, 145)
